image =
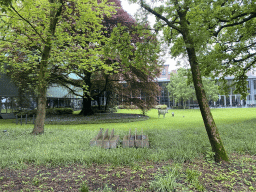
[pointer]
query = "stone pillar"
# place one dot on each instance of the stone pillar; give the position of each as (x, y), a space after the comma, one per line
(225, 102)
(230, 99)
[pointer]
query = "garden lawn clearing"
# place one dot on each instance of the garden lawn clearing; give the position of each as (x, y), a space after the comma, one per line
(179, 155)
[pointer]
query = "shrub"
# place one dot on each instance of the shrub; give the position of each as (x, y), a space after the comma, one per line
(160, 107)
(180, 107)
(30, 113)
(50, 111)
(120, 106)
(127, 107)
(59, 111)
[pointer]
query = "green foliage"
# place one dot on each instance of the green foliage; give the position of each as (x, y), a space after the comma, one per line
(179, 88)
(49, 112)
(59, 111)
(192, 177)
(165, 182)
(84, 187)
(39, 37)
(160, 107)
(177, 138)
(127, 107)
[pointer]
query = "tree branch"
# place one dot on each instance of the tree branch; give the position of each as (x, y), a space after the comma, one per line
(249, 65)
(243, 59)
(28, 23)
(170, 24)
(234, 24)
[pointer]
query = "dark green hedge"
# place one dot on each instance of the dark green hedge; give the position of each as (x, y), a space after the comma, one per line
(50, 111)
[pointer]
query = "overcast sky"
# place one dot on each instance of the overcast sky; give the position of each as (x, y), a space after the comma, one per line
(131, 9)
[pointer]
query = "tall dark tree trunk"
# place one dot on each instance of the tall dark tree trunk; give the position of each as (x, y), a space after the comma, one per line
(107, 101)
(87, 100)
(87, 106)
(210, 126)
(98, 101)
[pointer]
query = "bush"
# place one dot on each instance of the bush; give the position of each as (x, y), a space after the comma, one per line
(30, 113)
(180, 107)
(50, 111)
(127, 107)
(160, 107)
(59, 111)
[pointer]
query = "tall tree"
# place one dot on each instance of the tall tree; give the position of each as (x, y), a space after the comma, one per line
(180, 24)
(233, 44)
(194, 27)
(130, 55)
(34, 32)
(181, 87)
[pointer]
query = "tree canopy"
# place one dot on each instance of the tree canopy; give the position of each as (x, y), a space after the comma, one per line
(34, 36)
(131, 55)
(181, 88)
(194, 29)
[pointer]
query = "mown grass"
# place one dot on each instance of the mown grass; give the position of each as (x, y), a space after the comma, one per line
(182, 137)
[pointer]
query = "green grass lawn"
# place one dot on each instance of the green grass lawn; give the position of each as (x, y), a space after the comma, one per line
(179, 156)
(178, 138)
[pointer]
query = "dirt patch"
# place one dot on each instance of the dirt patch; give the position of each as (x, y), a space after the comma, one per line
(239, 175)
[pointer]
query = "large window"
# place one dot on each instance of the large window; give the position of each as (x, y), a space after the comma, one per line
(164, 72)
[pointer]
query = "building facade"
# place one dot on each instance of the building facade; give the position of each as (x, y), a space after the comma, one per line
(230, 100)
(60, 97)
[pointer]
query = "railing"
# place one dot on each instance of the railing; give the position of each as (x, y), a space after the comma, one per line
(25, 119)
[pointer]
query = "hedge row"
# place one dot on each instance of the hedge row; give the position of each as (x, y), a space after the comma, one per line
(160, 107)
(127, 107)
(50, 111)
(135, 107)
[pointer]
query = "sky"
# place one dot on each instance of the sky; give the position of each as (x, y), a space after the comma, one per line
(131, 9)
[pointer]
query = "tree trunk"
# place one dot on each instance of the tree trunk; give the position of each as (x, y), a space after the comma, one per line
(210, 126)
(43, 74)
(87, 106)
(41, 110)
(42, 87)
(87, 100)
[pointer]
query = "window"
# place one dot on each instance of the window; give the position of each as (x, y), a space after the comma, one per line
(164, 72)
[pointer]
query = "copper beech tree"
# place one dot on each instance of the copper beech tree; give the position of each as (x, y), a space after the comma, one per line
(131, 58)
